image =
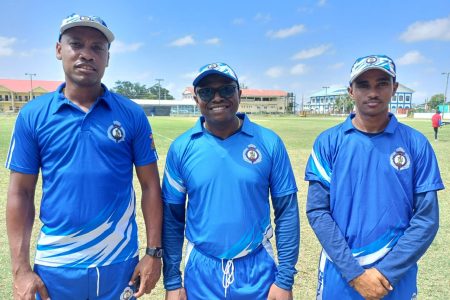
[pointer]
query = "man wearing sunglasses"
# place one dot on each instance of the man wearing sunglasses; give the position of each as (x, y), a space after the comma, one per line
(227, 166)
(85, 140)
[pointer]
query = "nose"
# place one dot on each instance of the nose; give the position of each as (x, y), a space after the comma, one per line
(86, 54)
(216, 96)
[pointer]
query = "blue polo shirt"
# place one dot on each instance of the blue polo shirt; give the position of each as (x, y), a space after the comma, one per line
(372, 182)
(86, 159)
(228, 184)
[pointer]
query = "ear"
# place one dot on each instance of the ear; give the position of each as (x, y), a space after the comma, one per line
(350, 92)
(196, 99)
(58, 51)
(240, 94)
(107, 61)
(395, 88)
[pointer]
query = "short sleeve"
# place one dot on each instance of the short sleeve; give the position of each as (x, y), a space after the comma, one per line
(144, 149)
(23, 155)
(173, 186)
(282, 180)
(319, 165)
(426, 173)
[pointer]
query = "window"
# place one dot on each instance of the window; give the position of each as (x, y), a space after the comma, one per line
(407, 98)
(6, 97)
(400, 98)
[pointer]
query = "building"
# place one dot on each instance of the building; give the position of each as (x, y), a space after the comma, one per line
(257, 101)
(15, 93)
(323, 101)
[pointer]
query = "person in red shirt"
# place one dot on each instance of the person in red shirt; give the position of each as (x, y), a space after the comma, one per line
(436, 122)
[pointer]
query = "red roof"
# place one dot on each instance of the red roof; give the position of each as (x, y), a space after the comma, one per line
(251, 92)
(23, 85)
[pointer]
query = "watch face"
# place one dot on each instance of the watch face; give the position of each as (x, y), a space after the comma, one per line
(155, 252)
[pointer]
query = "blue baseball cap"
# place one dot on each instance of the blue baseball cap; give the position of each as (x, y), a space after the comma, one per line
(75, 20)
(366, 63)
(215, 68)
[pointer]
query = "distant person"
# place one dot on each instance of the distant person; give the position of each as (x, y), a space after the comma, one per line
(372, 197)
(228, 167)
(436, 122)
(84, 140)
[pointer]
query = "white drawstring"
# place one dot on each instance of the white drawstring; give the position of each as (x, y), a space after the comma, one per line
(228, 275)
(98, 282)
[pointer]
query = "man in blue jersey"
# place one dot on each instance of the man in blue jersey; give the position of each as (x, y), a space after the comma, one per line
(84, 140)
(227, 166)
(372, 197)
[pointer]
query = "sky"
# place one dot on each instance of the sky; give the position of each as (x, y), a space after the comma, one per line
(295, 46)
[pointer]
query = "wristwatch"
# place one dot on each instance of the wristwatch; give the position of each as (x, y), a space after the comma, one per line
(154, 252)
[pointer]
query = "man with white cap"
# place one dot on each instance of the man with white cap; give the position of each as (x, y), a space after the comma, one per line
(372, 197)
(85, 141)
(227, 166)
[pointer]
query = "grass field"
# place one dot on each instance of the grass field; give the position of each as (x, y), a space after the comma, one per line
(298, 134)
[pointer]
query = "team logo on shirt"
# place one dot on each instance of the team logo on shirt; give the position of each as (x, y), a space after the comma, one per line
(251, 154)
(126, 294)
(116, 132)
(400, 159)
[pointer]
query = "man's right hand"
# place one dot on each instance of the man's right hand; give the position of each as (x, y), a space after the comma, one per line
(178, 294)
(371, 284)
(27, 284)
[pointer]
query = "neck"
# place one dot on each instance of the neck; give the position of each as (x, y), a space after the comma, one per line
(83, 97)
(223, 130)
(370, 124)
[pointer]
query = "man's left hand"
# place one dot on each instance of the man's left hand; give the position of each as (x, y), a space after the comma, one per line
(277, 293)
(147, 272)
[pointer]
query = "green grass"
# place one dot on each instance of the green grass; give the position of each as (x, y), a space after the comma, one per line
(298, 134)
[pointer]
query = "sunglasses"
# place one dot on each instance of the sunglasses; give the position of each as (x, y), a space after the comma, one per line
(207, 93)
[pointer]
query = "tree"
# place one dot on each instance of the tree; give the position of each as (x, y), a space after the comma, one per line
(140, 91)
(435, 101)
(344, 104)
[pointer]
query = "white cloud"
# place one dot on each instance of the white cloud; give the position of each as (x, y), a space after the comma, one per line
(312, 52)
(213, 41)
(121, 47)
(6, 46)
(322, 2)
(299, 69)
(260, 17)
(286, 32)
(189, 76)
(438, 29)
(411, 58)
(274, 72)
(238, 21)
(184, 41)
(338, 65)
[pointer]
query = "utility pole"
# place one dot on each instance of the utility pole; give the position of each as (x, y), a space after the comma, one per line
(31, 83)
(159, 87)
(326, 95)
(445, 95)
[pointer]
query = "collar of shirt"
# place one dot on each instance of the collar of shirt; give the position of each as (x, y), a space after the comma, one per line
(390, 128)
(61, 100)
(247, 125)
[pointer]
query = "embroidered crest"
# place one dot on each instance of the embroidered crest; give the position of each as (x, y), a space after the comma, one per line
(400, 159)
(126, 294)
(116, 132)
(251, 154)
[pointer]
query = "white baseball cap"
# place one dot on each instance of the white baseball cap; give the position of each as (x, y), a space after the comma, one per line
(75, 20)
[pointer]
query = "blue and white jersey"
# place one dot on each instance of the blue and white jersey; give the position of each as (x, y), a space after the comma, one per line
(86, 159)
(228, 184)
(372, 180)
